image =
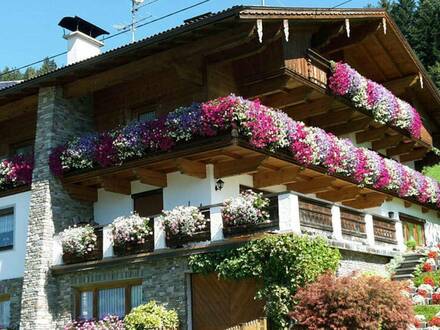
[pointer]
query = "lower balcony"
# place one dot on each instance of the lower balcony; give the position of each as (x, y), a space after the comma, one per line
(345, 228)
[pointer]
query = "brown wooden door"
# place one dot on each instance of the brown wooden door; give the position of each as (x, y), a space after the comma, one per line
(220, 304)
(413, 229)
(148, 203)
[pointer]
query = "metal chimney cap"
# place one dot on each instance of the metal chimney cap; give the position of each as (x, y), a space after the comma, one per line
(78, 24)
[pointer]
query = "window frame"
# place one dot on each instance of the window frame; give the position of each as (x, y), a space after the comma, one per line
(6, 298)
(96, 287)
(10, 210)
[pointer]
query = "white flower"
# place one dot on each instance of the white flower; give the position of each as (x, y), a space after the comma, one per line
(132, 228)
(185, 220)
(78, 240)
(420, 318)
(418, 300)
(247, 208)
(426, 287)
(431, 261)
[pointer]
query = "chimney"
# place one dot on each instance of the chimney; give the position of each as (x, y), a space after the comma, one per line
(81, 41)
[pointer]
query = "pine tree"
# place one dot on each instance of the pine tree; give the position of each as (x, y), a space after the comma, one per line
(403, 12)
(47, 66)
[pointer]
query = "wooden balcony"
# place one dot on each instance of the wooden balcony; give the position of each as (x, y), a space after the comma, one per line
(300, 89)
(301, 215)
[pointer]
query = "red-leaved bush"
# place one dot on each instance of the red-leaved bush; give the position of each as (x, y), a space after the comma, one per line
(352, 302)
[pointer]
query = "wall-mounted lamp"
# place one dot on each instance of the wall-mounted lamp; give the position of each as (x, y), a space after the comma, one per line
(219, 184)
(391, 215)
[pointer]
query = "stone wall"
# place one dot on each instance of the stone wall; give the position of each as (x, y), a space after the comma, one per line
(362, 262)
(13, 288)
(51, 208)
(164, 280)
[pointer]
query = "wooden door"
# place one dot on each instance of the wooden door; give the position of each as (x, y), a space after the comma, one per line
(148, 203)
(413, 229)
(220, 304)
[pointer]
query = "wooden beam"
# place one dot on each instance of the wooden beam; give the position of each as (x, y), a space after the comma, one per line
(287, 97)
(150, 177)
(270, 178)
(17, 108)
(367, 201)
(330, 118)
(352, 126)
(371, 134)
(387, 142)
(116, 185)
(398, 86)
(238, 166)
(191, 168)
(402, 148)
(341, 195)
(315, 185)
(416, 154)
(308, 109)
(264, 87)
(407, 204)
(82, 193)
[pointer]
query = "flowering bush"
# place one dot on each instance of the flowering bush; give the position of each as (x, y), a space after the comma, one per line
(16, 171)
(247, 208)
(435, 321)
(151, 316)
(364, 302)
(368, 95)
(436, 298)
(264, 128)
(427, 267)
(183, 220)
(78, 241)
(429, 281)
(131, 229)
(107, 323)
(433, 254)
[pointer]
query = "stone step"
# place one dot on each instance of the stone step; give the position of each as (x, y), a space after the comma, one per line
(406, 270)
(403, 277)
(410, 263)
(412, 256)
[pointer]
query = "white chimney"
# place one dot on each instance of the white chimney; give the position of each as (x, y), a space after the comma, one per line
(81, 41)
(80, 47)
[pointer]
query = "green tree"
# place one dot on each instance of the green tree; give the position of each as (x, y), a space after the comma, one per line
(9, 74)
(47, 66)
(404, 12)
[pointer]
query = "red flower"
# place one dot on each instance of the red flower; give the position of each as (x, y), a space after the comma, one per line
(432, 254)
(436, 298)
(422, 293)
(429, 280)
(435, 321)
(427, 267)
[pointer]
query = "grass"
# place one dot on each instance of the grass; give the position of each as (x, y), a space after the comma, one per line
(433, 172)
(429, 311)
(435, 275)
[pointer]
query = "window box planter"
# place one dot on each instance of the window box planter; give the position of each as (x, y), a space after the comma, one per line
(134, 248)
(95, 254)
(178, 241)
(244, 229)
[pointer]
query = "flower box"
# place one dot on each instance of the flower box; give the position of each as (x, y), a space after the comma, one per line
(179, 240)
(134, 248)
(95, 254)
(244, 229)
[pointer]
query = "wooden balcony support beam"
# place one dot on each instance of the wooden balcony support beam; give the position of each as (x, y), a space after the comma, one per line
(82, 193)
(399, 86)
(352, 126)
(341, 195)
(390, 141)
(308, 109)
(365, 201)
(150, 177)
(330, 118)
(315, 185)
(238, 166)
(272, 178)
(371, 135)
(402, 148)
(191, 168)
(413, 155)
(116, 185)
(264, 87)
(287, 97)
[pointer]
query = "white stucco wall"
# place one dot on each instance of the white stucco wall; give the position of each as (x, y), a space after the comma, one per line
(12, 261)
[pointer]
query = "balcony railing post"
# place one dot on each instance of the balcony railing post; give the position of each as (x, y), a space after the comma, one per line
(107, 242)
(216, 219)
(336, 223)
(288, 212)
(369, 229)
(399, 233)
(159, 234)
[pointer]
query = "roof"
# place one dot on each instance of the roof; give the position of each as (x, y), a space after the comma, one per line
(165, 39)
(6, 84)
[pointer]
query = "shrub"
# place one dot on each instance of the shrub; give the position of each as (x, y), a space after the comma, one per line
(183, 220)
(364, 302)
(420, 279)
(428, 311)
(78, 241)
(435, 321)
(247, 208)
(151, 316)
(411, 244)
(283, 263)
(131, 229)
(107, 323)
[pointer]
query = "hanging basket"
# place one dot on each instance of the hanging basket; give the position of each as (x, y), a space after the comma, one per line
(178, 241)
(245, 229)
(132, 248)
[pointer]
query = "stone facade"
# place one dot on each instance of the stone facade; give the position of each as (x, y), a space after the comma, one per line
(352, 261)
(163, 280)
(13, 287)
(51, 208)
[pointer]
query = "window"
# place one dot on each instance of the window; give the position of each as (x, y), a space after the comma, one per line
(6, 228)
(5, 312)
(110, 299)
(148, 203)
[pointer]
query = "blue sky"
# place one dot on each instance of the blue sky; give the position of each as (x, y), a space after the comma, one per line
(29, 29)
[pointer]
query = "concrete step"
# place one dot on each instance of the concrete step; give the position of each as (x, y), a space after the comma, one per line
(410, 263)
(413, 256)
(403, 277)
(406, 270)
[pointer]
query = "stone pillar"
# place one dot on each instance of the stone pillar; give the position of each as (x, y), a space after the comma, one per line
(336, 223)
(51, 208)
(288, 211)
(216, 222)
(159, 234)
(369, 229)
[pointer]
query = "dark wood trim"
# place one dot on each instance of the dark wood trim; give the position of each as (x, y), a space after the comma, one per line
(5, 297)
(6, 211)
(147, 193)
(14, 191)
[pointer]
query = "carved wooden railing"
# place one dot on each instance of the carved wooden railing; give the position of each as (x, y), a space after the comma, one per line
(353, 223)
(384, 230)
(315, 214)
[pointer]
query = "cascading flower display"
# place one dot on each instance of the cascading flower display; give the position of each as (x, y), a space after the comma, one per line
(78, 241)
(263, 127)
(131, 229)
(183, 220)
(375, 98)
(247, 208)
(16, 172)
